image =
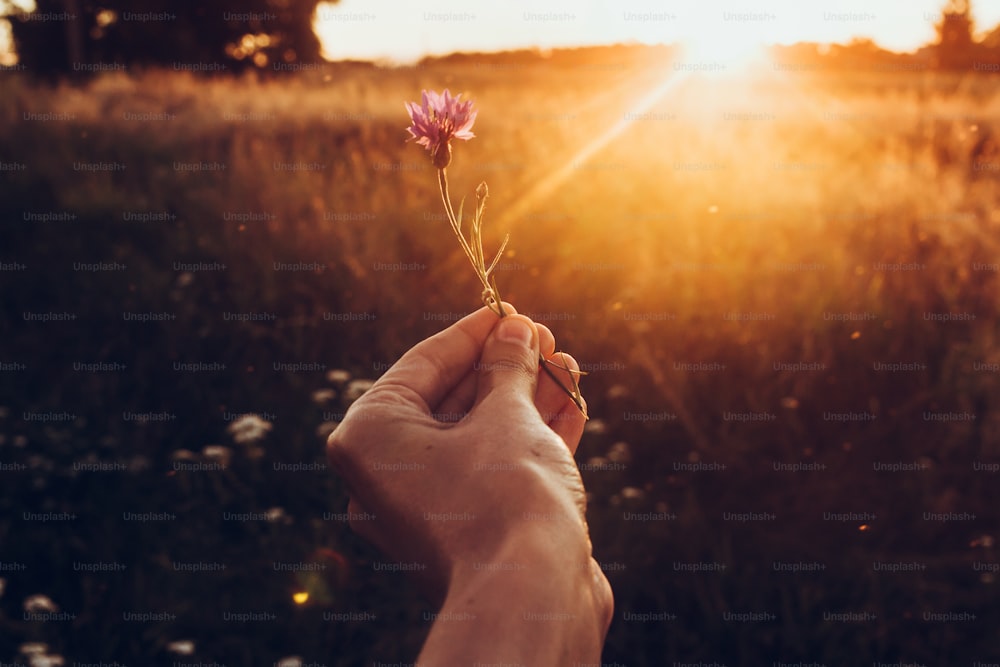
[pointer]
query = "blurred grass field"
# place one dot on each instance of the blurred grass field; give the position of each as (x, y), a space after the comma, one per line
(738, 266)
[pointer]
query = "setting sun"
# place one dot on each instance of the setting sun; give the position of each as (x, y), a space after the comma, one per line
(728, 44)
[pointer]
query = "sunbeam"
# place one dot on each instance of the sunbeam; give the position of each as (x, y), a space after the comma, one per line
(560, 175)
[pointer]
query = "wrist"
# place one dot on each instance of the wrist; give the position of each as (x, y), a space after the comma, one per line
(534, 602)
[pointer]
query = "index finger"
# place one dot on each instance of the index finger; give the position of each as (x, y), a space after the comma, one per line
(435, 366)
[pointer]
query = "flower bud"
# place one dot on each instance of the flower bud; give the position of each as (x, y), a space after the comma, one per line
(442, 155)
(482, 192)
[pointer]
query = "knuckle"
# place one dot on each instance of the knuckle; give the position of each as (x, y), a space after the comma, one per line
(520, 365)
(335, 445)
(343, 446)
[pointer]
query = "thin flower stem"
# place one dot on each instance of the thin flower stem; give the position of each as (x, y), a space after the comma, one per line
(491, 294)
(446, 198)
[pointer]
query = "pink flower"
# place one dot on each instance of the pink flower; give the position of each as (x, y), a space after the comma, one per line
(437, 121)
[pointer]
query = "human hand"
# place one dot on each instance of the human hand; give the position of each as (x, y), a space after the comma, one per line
(496, 492)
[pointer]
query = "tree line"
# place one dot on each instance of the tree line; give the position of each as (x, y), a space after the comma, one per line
(78, 36)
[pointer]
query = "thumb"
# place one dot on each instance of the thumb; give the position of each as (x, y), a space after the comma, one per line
(508, 368)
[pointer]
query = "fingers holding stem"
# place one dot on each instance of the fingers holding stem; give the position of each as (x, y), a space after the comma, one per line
(574, 391)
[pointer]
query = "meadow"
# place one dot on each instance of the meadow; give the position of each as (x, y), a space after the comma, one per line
(783, 284)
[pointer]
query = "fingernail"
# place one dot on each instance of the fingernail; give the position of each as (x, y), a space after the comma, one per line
(513, 330)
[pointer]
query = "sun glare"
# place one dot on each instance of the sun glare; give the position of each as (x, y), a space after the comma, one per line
(719, 51)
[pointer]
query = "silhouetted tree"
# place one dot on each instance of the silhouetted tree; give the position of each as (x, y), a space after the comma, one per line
(955, 47)
(71, 36)
(992, 39)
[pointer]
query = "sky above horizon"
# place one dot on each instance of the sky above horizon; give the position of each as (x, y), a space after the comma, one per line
(403, 32)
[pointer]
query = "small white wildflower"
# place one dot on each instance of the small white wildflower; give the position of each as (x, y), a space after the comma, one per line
(181, 647)
(616, 391)
(248, 429)
(34, 648)
(36, 604)
(217, 454)
(620, 453)
(632, 493)
(356, 388)
(324, 396)
(338, 376)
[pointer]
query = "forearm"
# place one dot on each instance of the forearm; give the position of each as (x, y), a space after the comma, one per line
(529, 606)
